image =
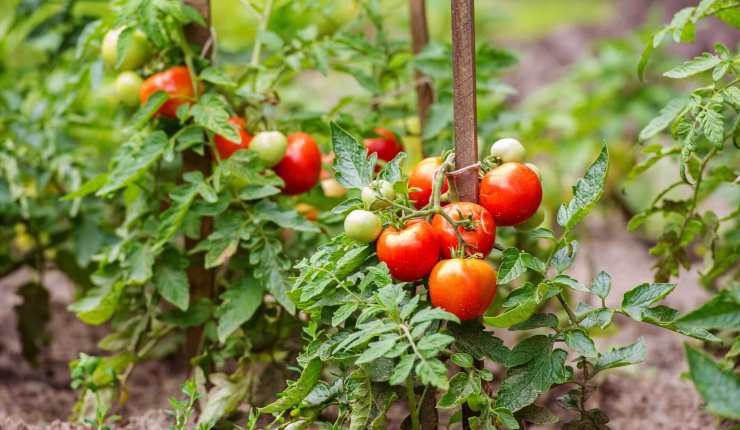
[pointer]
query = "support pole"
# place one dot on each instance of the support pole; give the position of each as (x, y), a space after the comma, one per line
(201, 280)
(420, 39)
(463, 73)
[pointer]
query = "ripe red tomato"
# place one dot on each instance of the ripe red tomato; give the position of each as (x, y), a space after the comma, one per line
(301, 166)
(410, 253)
(464, 287)
(227, 147)
(511, 192)
(478, 237)
(422, 177)
(386, 146)
(174, 81)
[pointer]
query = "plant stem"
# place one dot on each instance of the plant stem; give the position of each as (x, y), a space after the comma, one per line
(411, 398)
(264, 20)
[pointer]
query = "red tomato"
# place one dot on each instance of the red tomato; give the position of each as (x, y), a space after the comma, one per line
(423, 178)
(301, 165)
(410, 253)
(464, 287)
(227, 147)
(511, 192)
(176, 83)
(386, 146)
(479, 238)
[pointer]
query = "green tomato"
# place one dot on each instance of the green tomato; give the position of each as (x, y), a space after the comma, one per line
(137, 52)
(535, 169)
(127, 87)
(270, 146)
(362, 226)
(371, 195)
(509, 150)
(533, 222)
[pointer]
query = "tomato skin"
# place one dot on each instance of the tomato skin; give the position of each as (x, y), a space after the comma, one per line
(128, 85)
(511, 192)
(371, 195)
(464, 287)
(508, 150)
(409, 253)
(362, 226)
(174, 81)
(270, 146)
(479, 241)
(310, 212)
(386, 146)
(422, 177)
(301, 165)
(227, 147)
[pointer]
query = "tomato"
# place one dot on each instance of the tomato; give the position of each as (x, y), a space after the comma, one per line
(464, 287)
(479, 236)
(301, 165)
(136, 53)
(422, 177)
(508, 150)
(371, 196)
(310, 212)
(511, 192)
(409, 253)
(362, 226)
(270, 146)
(174, 81)
(127, 86)
(533, 222)
(332, 188)
(386, 146)
(227, 147)
(535, 169)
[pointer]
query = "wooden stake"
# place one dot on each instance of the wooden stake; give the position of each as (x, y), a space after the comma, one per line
(463, 73)
(201, 280)
(420, 39)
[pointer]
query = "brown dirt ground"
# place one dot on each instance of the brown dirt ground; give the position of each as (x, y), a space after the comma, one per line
(648, 396)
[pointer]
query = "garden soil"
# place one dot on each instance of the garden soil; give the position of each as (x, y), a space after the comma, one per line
(649, 396)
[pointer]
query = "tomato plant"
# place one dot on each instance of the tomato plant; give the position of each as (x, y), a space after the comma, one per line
(227, 147)
(300, 167)
(511, 192)
(478, 229)
(464, 287)
(409, 252)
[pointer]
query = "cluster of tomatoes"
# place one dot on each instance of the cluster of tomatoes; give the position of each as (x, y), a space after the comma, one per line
(413, 247)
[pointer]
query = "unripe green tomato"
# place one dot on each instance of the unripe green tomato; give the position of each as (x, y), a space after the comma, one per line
(533, 222)
(509, 150)
(535, 169)
(362, 226)
(136, 54)
(270, 146)
(371, 195)
(127, 87)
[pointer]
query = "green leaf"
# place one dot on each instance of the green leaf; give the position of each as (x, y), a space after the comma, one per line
(402, 369)
(722, 312)
(564, 255)
(132, 161)
(376, 350)
(642, 296)
(507, 418)
(514, 263)
(88, 187)
(623, 356)
(257, 192)
(719, 388)
(430, 314)
(580, 343)
(212, 113)
(239, 302)
(691, 67)
(296, 391)
(197, 314)
(601, 284)
(664, 118)
(713, 126)
(431, 344)
(170, 220)
(433, 372)
(587, 191)
(459, 390)
(524, 383)
(462, 359)
(471, 338)
(537, 321)
(343, 312)
(568, 282)
(225, 395)
(269, 211)
(98, 304)
(353, 167)
(537, 415)
(139, 264)
(171, 280)
(217, 77)
(599, 317)
(152, 105)
(392, 171)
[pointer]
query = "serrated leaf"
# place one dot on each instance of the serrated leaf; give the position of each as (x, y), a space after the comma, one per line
(239, 303)
(211, 113)
(216, 76)
(147, 111)
(719, 388)
(343, 312)
(132, 161)
(88, 187)
(568, 282)
(171, 280)
(621, 356)
(471, 338)
(354, 169)
(600, 317)
(580, 343)
(664, 118)
(392, 171)
(433, 372)
(713, 126)
(587, 191)
(296, 391)
(691, 67)
(430, 314)
(459, 390)
(402, 369)
(601, 284)
(433, 343)
(722, 312)
(269, 211)
(642, 296)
